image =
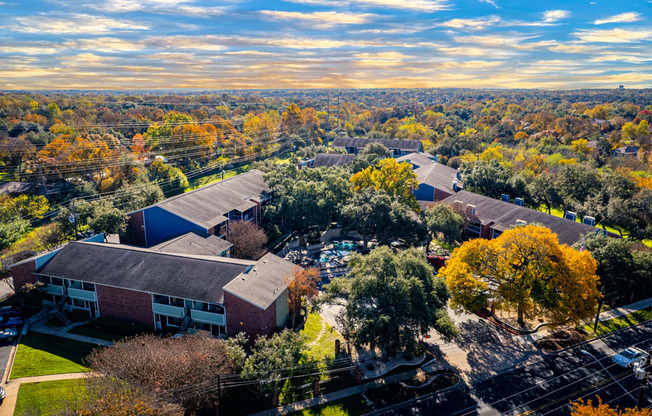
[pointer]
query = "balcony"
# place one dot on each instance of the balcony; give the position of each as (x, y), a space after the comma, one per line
(167, 310)
(54, 290)
(207, 317)
(81, 294)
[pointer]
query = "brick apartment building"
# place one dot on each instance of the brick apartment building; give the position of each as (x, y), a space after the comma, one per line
(161, 290)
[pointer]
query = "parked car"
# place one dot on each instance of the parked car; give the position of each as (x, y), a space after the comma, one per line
(9, 311)
(3, 394)
(629, 356)
(8, 334)
(8, 321)
(437, 261)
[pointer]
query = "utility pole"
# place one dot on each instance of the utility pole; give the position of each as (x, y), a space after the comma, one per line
(641, 395)
(338, 114)
(45, 189)
(74, 216)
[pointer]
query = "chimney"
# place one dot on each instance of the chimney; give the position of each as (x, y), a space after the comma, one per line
(458, 205)
(470, 210)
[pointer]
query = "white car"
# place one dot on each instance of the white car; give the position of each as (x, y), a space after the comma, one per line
(629, 356)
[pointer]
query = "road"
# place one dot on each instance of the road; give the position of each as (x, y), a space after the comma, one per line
(546, 385)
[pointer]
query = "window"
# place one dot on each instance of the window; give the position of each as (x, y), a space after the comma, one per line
(45, 279)
(78, 303)
(89, 286)
(162, 299)
(215, 308)
(176, 302)
(74, 284)
(57, 281)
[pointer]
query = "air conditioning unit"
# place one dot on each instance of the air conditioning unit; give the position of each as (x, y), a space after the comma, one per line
(570, 215)
(521, 222)
(519, 201)
(589, 221)
(505, 198)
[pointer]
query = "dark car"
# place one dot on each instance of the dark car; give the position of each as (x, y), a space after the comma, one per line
(9, 311)
(8, 321)
(437, 261)
(8, 334)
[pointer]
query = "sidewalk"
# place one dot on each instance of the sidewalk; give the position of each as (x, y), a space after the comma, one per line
(625, 310)
(351, 391)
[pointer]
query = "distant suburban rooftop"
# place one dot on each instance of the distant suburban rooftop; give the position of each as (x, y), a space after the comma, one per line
(361, 142)
(417, 159)
(502, 215)
(194, 243)
(192, 277)
(438, 176)
(331, 159)
(264, 282)
(209, 205)
(627, 150)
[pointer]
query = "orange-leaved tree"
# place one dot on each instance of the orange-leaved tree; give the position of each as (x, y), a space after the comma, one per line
(582, 408)
(302, 287)
(397, 179)
(527, 270)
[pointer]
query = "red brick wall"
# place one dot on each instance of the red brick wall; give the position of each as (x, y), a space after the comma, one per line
(255, 321)
(125, 304)
(441, 195)
(24, 273)
(135, 234)
(485, 231)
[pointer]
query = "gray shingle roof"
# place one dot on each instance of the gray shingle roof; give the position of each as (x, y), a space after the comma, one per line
(501, 215)
(360, 142)
(264, 282)
(438, 176)
(209, 205)
(331, 159)
(416, 159)
(192, 277)
(193, 243)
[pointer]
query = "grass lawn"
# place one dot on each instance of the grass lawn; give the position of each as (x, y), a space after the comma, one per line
(43, 398)
(324, 346)
(611, 325)
(215, 177)
(109, 329)
(40, 355)
(350, 406)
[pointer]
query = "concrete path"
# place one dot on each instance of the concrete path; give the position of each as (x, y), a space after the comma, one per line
(52, 377)
(351, 391)
(625, 310)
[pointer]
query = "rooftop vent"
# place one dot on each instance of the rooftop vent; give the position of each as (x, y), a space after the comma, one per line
(519, 201)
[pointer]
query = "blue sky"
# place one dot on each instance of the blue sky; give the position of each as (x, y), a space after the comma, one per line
(142, 44)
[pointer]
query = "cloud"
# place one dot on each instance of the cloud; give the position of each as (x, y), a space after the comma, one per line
(104, 44)
(552, 16)
(620, 18)
(479, 23)
(413, 5)
(491, 2)
(157, 6)
(573, 48)
(612, 35)
(321, 19)
(73, 24)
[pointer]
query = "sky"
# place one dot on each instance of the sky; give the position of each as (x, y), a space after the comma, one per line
(203, 44)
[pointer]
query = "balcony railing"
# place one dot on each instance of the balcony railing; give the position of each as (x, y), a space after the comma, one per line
(208, 317)
(54, 290)
(82, 294)
(167, 310)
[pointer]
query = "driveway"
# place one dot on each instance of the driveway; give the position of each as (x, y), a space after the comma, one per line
(6, 288)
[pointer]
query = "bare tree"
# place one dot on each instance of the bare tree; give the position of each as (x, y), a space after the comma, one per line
(248, 240)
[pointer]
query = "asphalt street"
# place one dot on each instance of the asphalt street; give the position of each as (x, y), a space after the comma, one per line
(547, 385)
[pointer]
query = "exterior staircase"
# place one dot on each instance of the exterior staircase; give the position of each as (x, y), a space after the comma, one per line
(184, 326)
(62, 318)
(59, 306)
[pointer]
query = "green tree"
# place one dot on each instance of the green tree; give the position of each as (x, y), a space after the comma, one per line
(107, 219)
(489, 178)
(392, 300)
(12, 231)
(273, 358)
(542, 191)
(442, 219)
(171, 179)
(368, 213)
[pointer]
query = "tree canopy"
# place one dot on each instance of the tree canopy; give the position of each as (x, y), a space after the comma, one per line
(524, 269)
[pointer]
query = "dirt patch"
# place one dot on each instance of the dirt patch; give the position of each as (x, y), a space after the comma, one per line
(560, 340)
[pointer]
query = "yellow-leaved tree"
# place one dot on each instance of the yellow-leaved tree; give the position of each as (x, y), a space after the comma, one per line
(397, 179)
(525, 269)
